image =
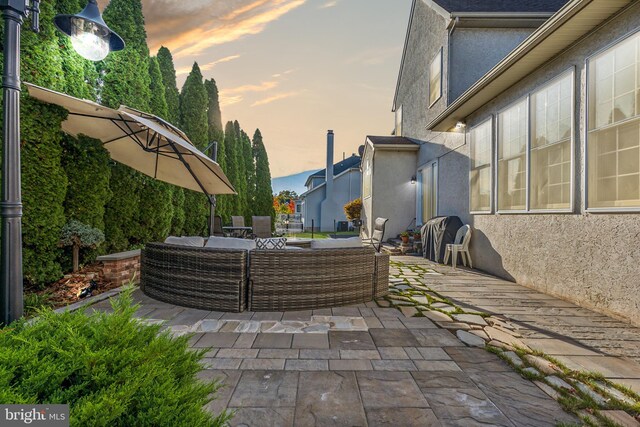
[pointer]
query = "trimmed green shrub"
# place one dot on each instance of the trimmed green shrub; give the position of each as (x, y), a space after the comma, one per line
(112, 369)
(79, 235)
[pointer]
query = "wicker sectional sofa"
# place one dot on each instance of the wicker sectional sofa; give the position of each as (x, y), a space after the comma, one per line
(262, 280)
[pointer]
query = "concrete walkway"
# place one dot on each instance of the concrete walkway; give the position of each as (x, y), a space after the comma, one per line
(580, 338)
(352, 366)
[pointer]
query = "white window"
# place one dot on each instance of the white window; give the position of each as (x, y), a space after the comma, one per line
(399, 121)
(481, 142)
(435, 79)
(613, 140)
(551, 146)
(367, 178)
(512, 158)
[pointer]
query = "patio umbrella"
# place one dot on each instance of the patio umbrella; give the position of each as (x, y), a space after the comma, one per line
(141, 141)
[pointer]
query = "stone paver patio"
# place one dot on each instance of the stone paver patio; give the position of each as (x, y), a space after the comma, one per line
(581, 339)
(375, 364)
(352, 366)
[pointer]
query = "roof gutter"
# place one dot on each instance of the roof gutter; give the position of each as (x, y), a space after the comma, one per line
(538, 36)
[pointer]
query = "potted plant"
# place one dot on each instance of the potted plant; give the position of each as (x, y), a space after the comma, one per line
(405, 237)
(416, 235)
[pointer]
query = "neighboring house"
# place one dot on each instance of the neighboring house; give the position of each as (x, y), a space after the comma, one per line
(323, 202)
(541, 153)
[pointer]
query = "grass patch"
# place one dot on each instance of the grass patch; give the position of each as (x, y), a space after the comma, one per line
(319, 235)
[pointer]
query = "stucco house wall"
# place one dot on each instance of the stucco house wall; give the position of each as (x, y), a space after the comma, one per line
(394, 196)
(427, 35)
(474, 51)
(592, 259)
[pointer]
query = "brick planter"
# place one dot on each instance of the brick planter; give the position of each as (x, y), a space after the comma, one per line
(121, 268)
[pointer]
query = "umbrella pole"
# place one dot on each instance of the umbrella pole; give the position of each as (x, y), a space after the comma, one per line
(212, 215)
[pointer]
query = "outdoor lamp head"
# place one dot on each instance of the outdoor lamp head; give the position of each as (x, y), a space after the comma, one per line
(90, 35)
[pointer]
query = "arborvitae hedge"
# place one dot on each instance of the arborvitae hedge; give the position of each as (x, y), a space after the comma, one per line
(194, 122)
(216, 134)
(263, 204)
(171, 94)
(250, 173)
(156, 209)
(44, 182)
(126, 81)
(233, 202)
(172, 98)
(66, 178)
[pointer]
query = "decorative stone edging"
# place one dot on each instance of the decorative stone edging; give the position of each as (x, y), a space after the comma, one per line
(93, 300)
(589, 395)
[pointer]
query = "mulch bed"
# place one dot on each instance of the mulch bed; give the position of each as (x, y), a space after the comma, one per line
(68, 289)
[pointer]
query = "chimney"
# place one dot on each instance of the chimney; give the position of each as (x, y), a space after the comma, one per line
(329, 176)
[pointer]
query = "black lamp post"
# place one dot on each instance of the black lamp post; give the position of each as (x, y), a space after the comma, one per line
(91, 38)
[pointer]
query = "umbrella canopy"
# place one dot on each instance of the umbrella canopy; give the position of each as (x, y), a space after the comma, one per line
(141, 141)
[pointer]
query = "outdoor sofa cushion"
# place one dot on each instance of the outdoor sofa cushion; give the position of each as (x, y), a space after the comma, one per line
(195, 241)
(230, 243)
(353, 242)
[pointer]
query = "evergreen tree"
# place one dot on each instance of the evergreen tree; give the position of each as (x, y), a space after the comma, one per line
(171, 93)
(216, 134)
(158, 102)
(194, 122)
(263, 205)
(156, 209)
(172, 98)
(44, 183)
(215, 115)
(241, 172)
(250, 175)
(232, 168)
(177, 222)
(126, 80)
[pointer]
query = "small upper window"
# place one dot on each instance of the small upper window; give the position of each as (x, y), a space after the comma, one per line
(435, 79)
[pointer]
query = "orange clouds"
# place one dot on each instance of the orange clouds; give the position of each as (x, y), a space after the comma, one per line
(208, 66)
(274, 98)
(189, 28)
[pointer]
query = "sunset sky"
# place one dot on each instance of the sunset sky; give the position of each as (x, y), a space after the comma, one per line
(293, 68)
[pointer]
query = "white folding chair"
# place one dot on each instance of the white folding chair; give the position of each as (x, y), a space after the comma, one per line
(460, 245)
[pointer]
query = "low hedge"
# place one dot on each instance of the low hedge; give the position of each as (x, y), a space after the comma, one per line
(112, 369)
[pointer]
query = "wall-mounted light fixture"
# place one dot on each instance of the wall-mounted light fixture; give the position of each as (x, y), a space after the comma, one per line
(461, 125)
(413, 180)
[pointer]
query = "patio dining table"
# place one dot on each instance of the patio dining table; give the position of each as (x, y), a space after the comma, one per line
(238, 231)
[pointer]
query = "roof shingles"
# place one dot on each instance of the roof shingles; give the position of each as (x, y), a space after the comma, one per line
(539, 6)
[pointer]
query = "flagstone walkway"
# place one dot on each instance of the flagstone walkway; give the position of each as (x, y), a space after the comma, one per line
(581, 339)
(352, 366)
